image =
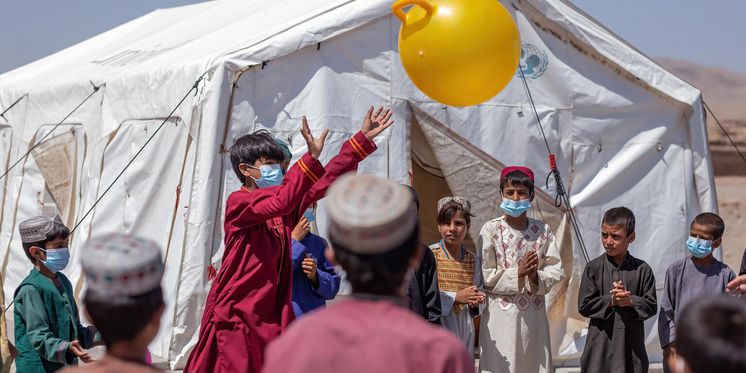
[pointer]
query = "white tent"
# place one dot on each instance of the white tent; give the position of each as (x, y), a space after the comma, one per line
(625, 131)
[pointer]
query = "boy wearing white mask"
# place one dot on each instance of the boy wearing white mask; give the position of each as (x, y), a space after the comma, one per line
(520, 264)
(48, 332)
(697, 275)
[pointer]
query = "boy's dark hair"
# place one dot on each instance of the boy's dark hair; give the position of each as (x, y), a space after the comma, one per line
(123, 319)
(620, 217)
(713, 222)
(517, 178)
(58, 231)
(449, 210)
(249, 148)
(377, 273)
(711, 335)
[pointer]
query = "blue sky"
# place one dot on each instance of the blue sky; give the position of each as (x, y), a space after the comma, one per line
(711, 32)
(708, 32)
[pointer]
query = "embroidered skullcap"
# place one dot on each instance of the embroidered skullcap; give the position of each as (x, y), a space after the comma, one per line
(121, 265)
(524, 170)
(463, 202)
(370, 214)
(36, 229)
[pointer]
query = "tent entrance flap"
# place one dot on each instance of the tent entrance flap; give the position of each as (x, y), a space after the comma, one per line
(470, 172)
(431, 185)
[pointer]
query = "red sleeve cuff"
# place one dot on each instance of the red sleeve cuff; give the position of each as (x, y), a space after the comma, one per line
(362, 145)
(311, 167)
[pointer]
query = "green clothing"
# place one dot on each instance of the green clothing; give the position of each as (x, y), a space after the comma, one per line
(46, 321)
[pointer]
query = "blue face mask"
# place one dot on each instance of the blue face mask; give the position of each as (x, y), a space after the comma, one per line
(698, 247)
(57, 259)
(309, 214)
(515, 208)
(271, 175)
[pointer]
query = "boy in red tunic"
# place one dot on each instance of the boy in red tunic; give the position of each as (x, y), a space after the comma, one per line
(249, 302)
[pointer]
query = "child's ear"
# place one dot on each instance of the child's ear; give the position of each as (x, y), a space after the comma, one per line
(244, 168)
(632, 237)
(36, 252)
(531, 197)
(717, 243)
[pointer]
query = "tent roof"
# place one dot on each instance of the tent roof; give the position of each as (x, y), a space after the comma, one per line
(202, 34)
(244, 33)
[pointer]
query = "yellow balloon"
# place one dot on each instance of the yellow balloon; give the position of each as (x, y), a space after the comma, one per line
(458, 52)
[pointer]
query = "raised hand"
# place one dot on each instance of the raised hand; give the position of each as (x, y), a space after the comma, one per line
(301, 230)
(374, 124)
(315, 145)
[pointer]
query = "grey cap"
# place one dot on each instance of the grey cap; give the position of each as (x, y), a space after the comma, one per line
(36, 229)
(463, 202)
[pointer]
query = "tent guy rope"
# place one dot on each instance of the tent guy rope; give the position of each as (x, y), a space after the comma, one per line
(193, 88)
(95, 89)
(2, 115)
(562, 197)
(724, 131)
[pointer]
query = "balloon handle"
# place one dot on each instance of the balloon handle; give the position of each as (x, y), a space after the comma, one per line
(398, 8)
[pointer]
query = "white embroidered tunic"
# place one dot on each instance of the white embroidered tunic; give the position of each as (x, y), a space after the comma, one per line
(514, 336)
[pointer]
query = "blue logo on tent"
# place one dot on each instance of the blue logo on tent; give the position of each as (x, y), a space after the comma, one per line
(534, 62)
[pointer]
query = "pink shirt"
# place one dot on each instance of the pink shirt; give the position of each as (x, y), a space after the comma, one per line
(363, 336)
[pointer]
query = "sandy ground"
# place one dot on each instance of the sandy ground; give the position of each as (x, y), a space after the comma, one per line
(731, 192)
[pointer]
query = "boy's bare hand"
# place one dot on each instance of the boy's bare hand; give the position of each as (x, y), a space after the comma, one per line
(621, 298)
(309, 269)
(481, 297)
(301, 230)
(374, 124)
(80, 353)
(468, 295)
(737, 286)
(315, 145)
(528, 265)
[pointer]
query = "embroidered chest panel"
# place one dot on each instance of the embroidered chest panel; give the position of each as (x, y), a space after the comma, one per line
(454, 275)
(512, 245)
